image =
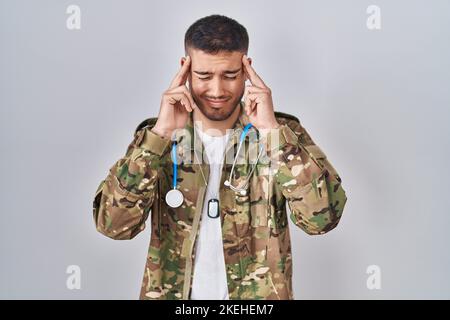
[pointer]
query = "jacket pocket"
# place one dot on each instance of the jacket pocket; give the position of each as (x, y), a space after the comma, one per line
(259, 216)
(258, 283)
(259, 200)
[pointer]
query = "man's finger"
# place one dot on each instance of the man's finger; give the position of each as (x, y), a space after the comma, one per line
(251, 73)
(253, 92)
(189, 96)
(181, 76)
(251, 89)
(254, 89)
(250, 102)
(180, 97)
(184, 89)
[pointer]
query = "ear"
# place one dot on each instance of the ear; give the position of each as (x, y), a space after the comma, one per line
(182, 61)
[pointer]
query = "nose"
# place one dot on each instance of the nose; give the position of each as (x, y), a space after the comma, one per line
(216, 89)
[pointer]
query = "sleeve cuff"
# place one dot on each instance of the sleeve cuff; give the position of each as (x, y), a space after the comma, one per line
(276, 139)
(154, 143)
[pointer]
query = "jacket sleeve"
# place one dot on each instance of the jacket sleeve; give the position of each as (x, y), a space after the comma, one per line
(306, 178)
(123, 200)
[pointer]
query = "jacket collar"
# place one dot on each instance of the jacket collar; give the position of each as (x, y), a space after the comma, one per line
(195, 141)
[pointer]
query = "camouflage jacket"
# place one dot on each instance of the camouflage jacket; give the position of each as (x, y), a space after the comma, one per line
(255, 233)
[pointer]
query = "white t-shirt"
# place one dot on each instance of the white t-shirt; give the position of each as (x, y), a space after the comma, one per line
(210, 280)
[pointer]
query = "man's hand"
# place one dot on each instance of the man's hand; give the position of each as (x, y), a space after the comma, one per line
(176, 103)
(258, 100)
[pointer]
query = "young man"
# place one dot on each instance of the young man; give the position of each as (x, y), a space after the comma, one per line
(219, 226)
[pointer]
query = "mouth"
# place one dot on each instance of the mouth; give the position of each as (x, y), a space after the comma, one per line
(216, 103)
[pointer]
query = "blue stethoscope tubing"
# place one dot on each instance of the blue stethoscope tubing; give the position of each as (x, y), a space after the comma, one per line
(174, 197)
(175, 165)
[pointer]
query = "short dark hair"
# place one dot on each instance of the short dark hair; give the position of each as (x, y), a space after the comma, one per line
(216, 33)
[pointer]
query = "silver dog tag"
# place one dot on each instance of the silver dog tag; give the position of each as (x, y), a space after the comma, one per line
(213, 208)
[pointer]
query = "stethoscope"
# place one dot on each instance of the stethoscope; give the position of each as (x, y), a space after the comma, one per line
(174, 197)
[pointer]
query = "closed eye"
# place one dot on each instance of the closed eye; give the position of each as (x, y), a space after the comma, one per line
(228, 78)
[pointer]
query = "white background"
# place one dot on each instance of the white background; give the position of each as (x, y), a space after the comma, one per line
(376, 101)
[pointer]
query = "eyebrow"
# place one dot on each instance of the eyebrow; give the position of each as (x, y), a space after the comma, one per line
(208, 73)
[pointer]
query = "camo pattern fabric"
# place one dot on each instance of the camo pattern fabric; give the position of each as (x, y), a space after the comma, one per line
(255, 233)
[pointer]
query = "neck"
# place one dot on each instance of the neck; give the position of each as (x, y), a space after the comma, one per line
(216, 128)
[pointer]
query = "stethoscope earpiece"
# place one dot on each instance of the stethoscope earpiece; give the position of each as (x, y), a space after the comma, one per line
(228, 182)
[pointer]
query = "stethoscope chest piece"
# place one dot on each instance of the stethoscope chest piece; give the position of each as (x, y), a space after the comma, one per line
(174, 198)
